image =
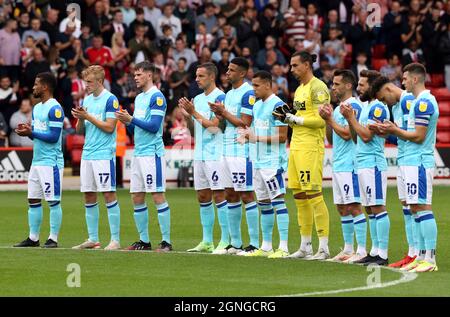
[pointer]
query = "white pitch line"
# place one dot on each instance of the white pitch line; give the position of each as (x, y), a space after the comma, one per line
(406, 276)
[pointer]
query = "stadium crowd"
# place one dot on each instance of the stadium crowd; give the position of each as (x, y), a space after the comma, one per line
(37, 36)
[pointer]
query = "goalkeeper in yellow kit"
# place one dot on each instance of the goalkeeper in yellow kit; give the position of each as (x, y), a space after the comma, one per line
(306, 155)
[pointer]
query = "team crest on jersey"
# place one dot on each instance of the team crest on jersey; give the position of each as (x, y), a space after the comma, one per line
(408, 104)
(58, 113)
(321, 96)
(377, 113)
(159, 101)
(251, 100)
(116, 104)
(423, 106)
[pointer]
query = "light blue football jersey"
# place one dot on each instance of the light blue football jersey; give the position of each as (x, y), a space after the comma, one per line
(264, 155)
(148, 104)
(424, 112)
(344, 152)
(208, 146)
(99, 145)
(371, 154)
(400, 112)
(237, 101)
(44, 116)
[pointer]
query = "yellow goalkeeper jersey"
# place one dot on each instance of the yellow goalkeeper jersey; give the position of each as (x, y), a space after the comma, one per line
(308, 97)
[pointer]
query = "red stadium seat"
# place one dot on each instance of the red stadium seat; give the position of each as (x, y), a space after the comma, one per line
(444, 108)
(76, 156)
(443, 137)
(437, 80)
(443, 124)
(379, 51)
(69, 142)
(78, 141)
(441, 94)
(377, 63)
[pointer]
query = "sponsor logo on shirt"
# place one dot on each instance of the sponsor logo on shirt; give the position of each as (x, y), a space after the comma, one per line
(40, 125)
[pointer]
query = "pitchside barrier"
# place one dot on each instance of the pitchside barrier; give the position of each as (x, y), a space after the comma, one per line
(15, 163)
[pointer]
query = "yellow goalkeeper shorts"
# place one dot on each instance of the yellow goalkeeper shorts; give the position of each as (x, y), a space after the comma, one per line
(305, 168)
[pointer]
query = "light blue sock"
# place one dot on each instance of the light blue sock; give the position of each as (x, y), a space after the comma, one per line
(92, 214)
(141, 221)
(347, 229)
(428, 228)
(55, 218)
(234, 223)
(207, 216)
(282, 218)
(360, 227)
(408, 226)
(164, 220)
(267, 221)
(373, 231)
(222, 211)
(252, 216)
(420, 241)
(114, 220)
(34, 220)
(383, 226)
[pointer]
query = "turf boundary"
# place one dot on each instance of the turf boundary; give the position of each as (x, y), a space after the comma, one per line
(405, 278)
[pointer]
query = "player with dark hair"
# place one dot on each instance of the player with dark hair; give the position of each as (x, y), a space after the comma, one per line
(420, 139)
(400, 102)
(372, 166)
(237, 111)
(270, 160)
(345, 180)
(46, 172)
(148, 164)
(306, 155)
(208, 158)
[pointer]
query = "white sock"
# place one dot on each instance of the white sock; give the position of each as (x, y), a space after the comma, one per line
(306, 245)
(383, 254)
(54, 237)
(34, 237)
(361, 250)
(348, 248)
(430, 256)
(266, 246)
(421, 255)
(373, 251)
(323, 244)
(283, 245)
(411, 251)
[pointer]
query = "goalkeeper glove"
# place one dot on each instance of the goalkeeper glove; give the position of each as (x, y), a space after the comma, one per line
(280, 112)
(292, 119)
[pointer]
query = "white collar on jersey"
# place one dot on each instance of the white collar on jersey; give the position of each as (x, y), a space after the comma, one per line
(268, 98)
(101, 94)
(422, 92)
(347, 100)
(151, 89)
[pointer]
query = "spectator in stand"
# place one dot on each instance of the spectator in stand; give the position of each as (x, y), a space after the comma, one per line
(412, 54)
(168, 18)
(23, 23)
(179, 81)
(120, 53)
(411, 31)
(360, 36)
(117, 26)
(78, 86)
(393, 70)
(288, 47)
(50, 25)
(38, 65)
(3, 131)
(122, 91)
(248, 31)
(129, 13)
(26, 52)
(101, 55)
(23, 115)
(224, 84)
(269, 23)
(98, 20)
(152, 13)
(281, 81)
(202, 39)
(180, 131)
(167, 40)
(58, 65)
(333, 22)
(444, 49)
(188, 19)
(140, 19)
(182, 51)
(85, 37)
(72, 18)
(295, 21)
(392, 28)
(337, 45)
(314, 21)
(27, 6)
(224, 62)
(42, 39)
(208, 18)
(270, 45)
(360, 65)
(229, 32)
(64, 42)
(141, 47)
(233, 10)
(10, 46)
(8, 97)
(76, 57)
(312, 46)
(223, 45)
(431, 32)
(165, 64)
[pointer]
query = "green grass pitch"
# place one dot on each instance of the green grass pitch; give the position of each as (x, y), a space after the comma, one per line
(39, 272)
